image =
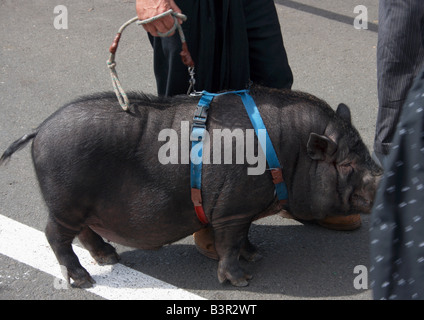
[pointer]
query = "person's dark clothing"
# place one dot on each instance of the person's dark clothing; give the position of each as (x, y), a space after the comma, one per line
(230, 41)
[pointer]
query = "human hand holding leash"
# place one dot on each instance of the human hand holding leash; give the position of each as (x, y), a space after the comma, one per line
(147, 9)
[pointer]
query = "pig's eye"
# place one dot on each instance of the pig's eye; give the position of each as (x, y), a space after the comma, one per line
(346, 168)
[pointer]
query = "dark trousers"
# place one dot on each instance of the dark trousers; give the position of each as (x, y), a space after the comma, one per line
(230, 41)
(400, 55)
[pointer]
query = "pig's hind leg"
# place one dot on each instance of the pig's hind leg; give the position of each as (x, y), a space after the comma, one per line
(249, 252)
(60, 239)
(101, 251)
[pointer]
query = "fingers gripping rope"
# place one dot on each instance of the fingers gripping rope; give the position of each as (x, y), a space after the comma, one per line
(175, 15)
(185, 54)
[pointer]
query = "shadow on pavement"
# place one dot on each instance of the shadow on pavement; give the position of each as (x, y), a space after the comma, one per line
(305, 261)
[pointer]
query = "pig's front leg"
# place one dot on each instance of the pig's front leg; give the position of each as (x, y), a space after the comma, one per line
(230, 238)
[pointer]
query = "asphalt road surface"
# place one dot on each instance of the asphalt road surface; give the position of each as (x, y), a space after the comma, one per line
(42, 68)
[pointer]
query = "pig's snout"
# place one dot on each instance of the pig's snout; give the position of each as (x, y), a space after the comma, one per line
(363, 198)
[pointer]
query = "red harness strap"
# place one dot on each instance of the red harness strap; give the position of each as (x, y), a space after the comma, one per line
(196, 197)
(277, 177)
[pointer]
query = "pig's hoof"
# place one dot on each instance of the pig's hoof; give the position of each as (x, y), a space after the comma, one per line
(82, 278)
(106, 256)
(112, 258)
(83, 283)
(237, 277)
(241, 282)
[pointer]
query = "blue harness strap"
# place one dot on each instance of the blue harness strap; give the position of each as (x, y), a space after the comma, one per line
(271, 156)
(197, 136)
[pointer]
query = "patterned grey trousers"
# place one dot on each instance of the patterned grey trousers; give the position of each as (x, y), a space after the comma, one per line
(400, 56)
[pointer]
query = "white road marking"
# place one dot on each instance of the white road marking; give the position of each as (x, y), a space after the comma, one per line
(27, 245)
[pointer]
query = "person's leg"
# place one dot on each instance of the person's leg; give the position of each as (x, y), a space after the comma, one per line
(397, 221)
(399, 56)
(268, 59)
(171, 74)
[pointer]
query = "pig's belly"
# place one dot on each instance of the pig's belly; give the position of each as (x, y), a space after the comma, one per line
(112, 236)
(128, 241)
(142, 235)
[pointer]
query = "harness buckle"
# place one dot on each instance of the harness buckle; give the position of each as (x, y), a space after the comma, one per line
(199, 122)
(201, 114)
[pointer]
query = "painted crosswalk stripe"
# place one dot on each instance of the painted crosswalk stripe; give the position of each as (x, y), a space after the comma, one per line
(27, 245)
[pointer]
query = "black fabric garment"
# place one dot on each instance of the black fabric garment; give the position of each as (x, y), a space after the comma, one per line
(230, 41)
(397, 228)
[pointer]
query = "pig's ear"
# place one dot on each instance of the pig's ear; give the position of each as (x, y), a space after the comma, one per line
(320, 147)
(344, 112)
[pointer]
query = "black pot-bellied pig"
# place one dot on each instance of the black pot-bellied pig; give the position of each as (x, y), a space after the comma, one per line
(100, 174)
